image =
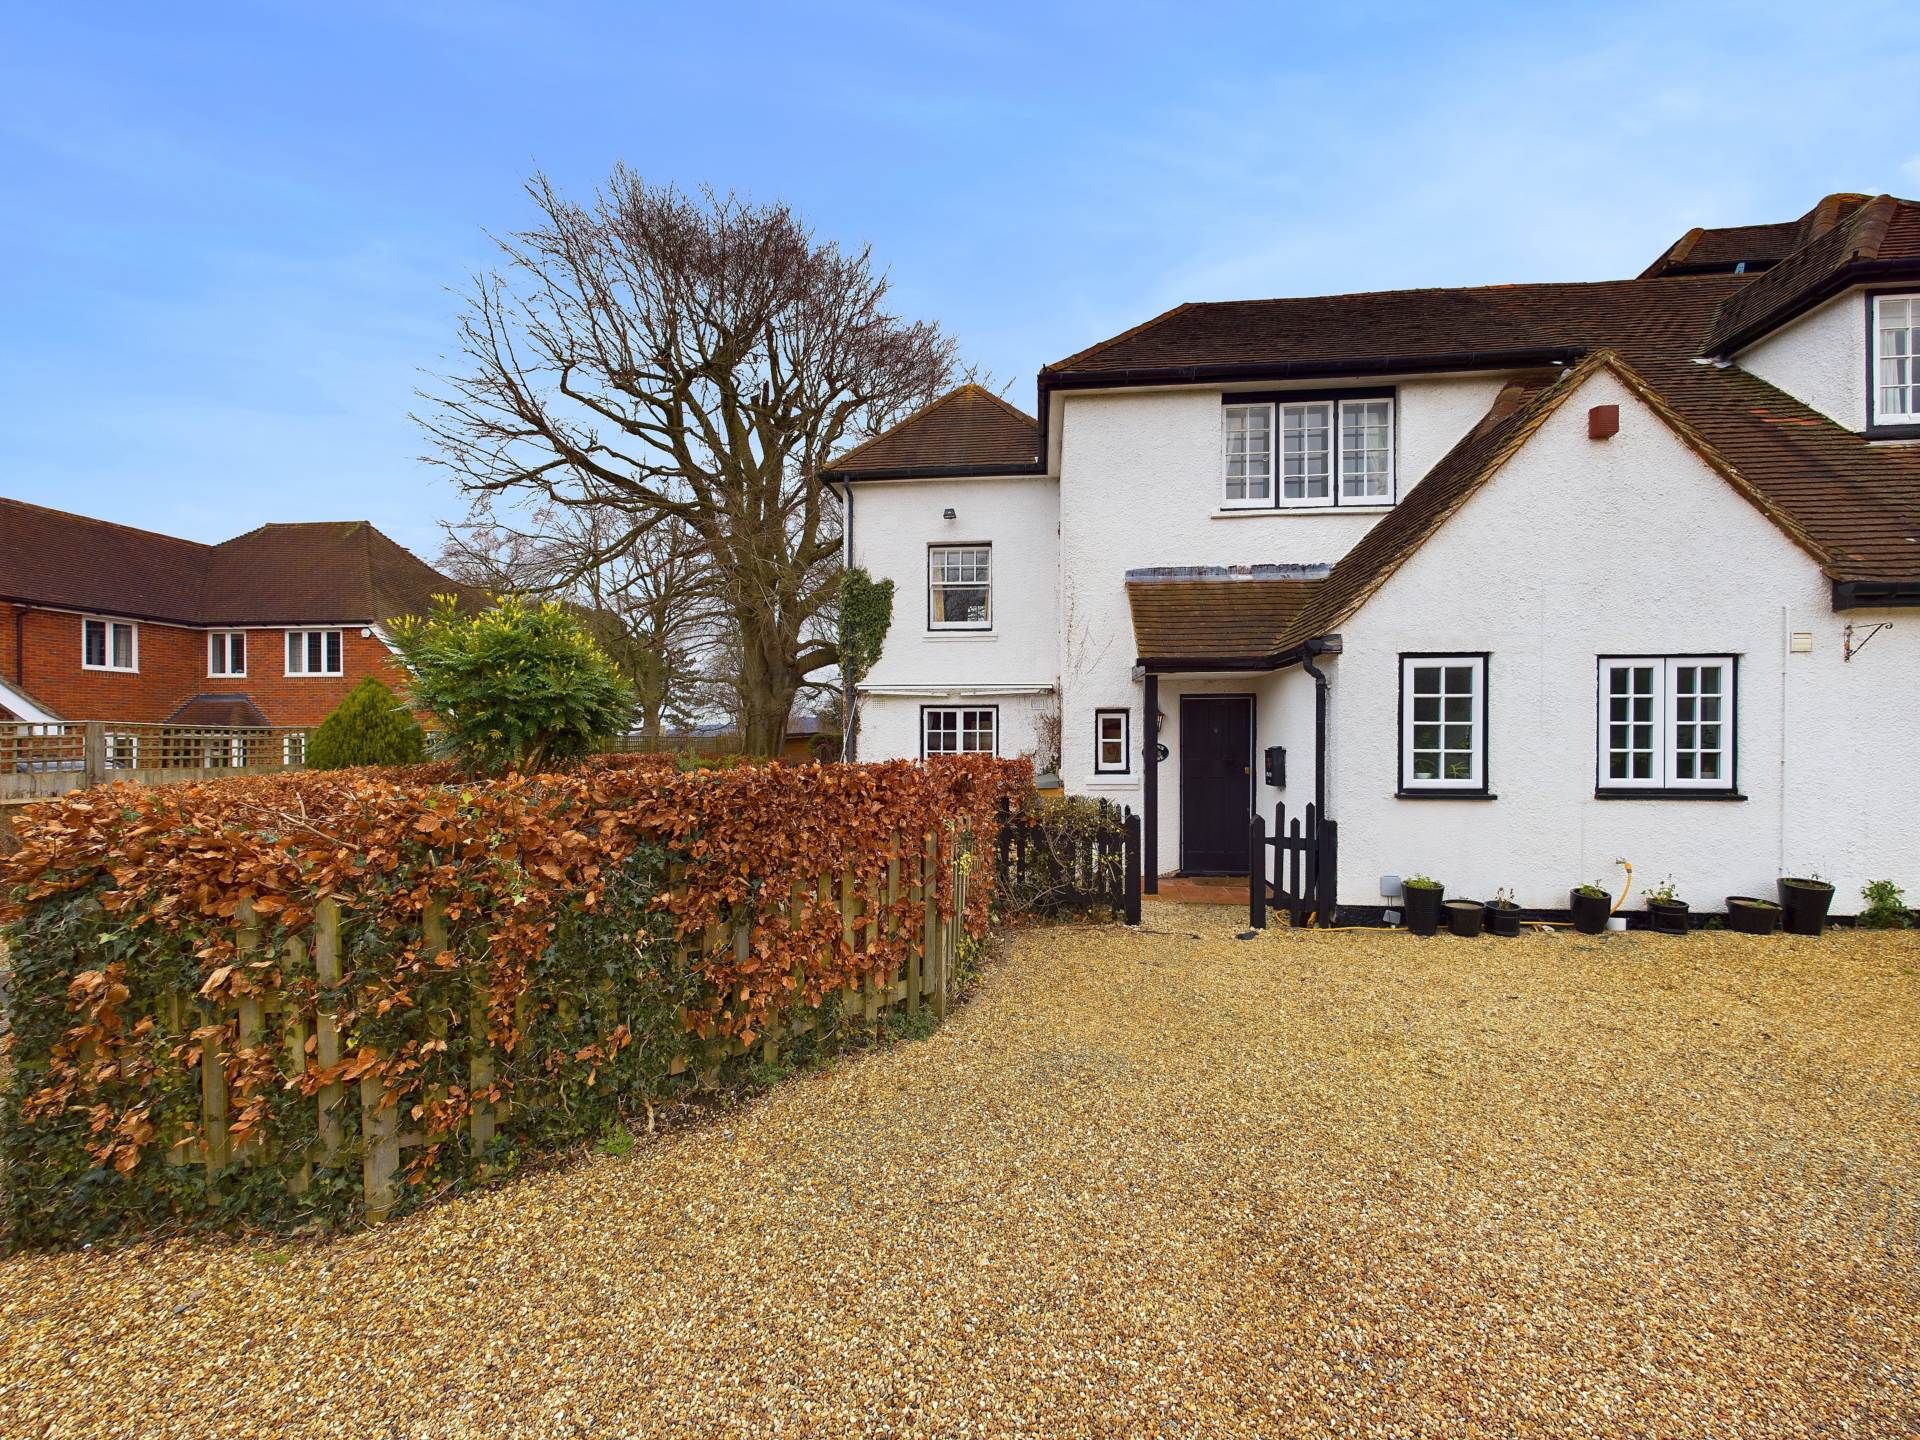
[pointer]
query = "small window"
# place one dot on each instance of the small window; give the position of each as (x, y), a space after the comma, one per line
(109, 645)
(1248, 435)
(313, 652)
(1443, 726)
(1305, 453)
(1666, 723)
(959, 587)
(1896, 360)
(1111, 752)
(227, 652)
(1366, 452)
(959, 731)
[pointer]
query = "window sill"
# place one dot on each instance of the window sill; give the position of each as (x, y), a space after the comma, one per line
(1444, 795)
(962, 635)
(1722, 795)
(1268, 512)
(1113, 782)
(1902, 431)
(111, 669)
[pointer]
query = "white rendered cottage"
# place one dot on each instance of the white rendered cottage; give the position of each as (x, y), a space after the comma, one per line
(1520, 579)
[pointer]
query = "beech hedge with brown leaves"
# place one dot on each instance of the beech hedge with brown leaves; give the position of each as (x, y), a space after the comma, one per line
(580, 913)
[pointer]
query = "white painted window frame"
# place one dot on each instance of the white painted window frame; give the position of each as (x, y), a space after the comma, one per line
(1340, 459)
(1306, 502)
(960, 728)
(1474, 782)
(1101, 740)
(1665, 720)
(1909, 388)
(109, 626)
(302, 673)
(936, 582)
(1249, 501)
(222, 641)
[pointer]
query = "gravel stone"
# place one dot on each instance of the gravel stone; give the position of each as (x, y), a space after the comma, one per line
(1155, 1183)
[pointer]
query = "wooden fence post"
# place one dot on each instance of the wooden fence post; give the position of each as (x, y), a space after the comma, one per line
(326, 1026)
(1257, 872)
(96, 753)
(1133, 867)
(930, 930)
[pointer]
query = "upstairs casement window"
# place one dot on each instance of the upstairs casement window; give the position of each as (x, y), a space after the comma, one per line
(1111, 752)
(1443, 725)
(1896, 360)
(227, 652)
(109, 645)
(1307, 452)
(1666, 723)
(959, 730)
(313, 652)
(959, 587)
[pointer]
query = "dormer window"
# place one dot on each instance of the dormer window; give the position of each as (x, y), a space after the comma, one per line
(1315, 451)
(1896, 360)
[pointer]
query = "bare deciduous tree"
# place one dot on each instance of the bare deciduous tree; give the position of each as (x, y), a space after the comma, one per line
(666, 358)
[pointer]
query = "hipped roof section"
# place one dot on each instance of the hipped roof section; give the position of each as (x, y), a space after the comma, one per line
(967, 431)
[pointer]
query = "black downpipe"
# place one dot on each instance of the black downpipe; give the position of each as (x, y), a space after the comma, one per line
(1313, 648)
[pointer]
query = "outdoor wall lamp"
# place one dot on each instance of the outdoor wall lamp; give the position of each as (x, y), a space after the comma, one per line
(1159, 721)
(947, 514)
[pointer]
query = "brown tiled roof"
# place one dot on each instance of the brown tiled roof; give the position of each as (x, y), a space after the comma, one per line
(1407, 330)
(1217, 617)
(343, 571)
(1756, 247)
(966, 431)
(1880, 236)
(218, 710)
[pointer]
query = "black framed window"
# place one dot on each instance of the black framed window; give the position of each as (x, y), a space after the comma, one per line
(1443, 724)
(1112, 737)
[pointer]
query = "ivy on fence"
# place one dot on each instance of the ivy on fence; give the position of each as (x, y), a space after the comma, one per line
(546, 948)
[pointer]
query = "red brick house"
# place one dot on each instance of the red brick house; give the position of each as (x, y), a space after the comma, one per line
(100, 621)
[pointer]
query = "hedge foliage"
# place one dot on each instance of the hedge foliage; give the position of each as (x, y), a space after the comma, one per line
(575, 907)
(370, 727)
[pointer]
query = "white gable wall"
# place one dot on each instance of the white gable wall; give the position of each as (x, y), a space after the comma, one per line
(1579, 548)
(893, 524)
(1820, 359)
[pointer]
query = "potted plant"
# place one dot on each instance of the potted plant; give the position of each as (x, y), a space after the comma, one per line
(1751, 916)
(1805, 899)
(1422, 896)
(1591, 904)
(1666, 909)
(1464, 917)
(1503, 915)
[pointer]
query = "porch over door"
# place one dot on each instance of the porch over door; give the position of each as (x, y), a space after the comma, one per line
(1216, 783)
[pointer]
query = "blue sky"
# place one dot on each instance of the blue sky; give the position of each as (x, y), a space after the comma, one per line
(230, 232)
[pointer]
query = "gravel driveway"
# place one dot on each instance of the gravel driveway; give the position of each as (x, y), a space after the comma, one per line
(1165, 1183)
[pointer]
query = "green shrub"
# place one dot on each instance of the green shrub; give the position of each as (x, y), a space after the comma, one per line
(371, 727)
(1886, 906)
(521, 686)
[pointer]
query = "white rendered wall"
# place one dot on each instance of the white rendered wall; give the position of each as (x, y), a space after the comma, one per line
(893, 524)
(1140, 486)
(1820, 359)
(1579, 548)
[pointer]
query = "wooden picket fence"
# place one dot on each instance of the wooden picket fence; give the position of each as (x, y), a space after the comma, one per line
(924, 979)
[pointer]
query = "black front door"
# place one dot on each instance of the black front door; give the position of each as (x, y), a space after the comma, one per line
(1216, 783)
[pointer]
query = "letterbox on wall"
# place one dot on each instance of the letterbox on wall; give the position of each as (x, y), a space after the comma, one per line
(1277, 766)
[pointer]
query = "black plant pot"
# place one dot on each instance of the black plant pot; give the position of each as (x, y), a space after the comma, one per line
(1503, 920)
(1589, 912)
(1423, 908)
(1749, 916)
(1464, 917)
(1805, 903)
(1669, 916)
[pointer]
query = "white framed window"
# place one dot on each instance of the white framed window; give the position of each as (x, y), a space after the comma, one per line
(1247, 434)
(109, 645)
(1666, 723)
(960, 587)
(227, 652)
(1306, 453)
(959, 730)
(1366, 452)
(313, 652)
(1443, 724)
(1112, 754)
(1896, 359)
(1331, 452)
